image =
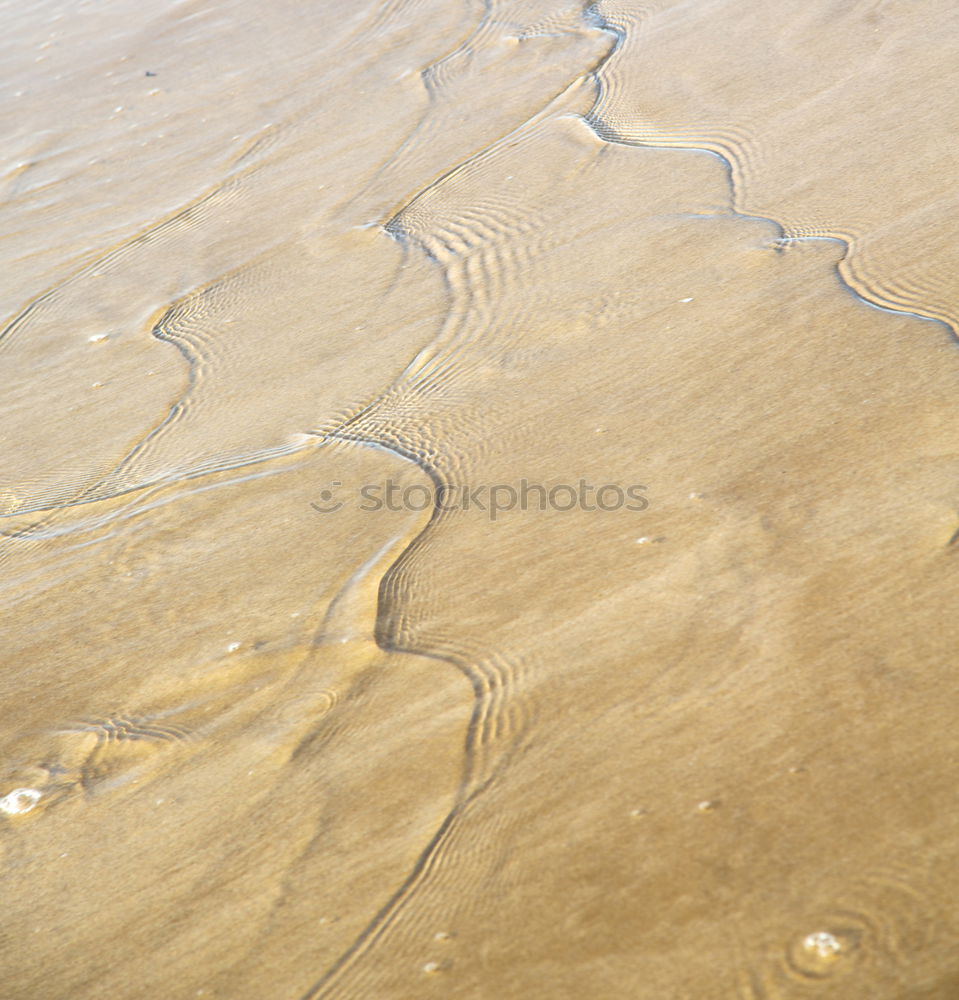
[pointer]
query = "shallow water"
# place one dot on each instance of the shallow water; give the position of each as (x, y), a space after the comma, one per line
(270, 734)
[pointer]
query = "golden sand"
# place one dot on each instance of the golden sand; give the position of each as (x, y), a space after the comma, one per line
(268, 737)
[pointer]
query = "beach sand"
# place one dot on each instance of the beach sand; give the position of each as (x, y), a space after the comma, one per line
(292, 706)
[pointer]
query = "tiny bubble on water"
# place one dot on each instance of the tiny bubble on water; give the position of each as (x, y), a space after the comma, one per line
(19, 801)
(822, 944)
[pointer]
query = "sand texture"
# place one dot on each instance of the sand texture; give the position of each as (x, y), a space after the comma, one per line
(260, 741)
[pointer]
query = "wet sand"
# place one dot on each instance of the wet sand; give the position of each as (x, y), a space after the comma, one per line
(262, 741)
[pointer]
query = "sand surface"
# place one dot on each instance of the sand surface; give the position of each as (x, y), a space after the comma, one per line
(261, 741)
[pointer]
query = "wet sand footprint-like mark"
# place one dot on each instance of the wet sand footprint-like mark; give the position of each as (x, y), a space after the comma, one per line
(88, 756)
(120, 743)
